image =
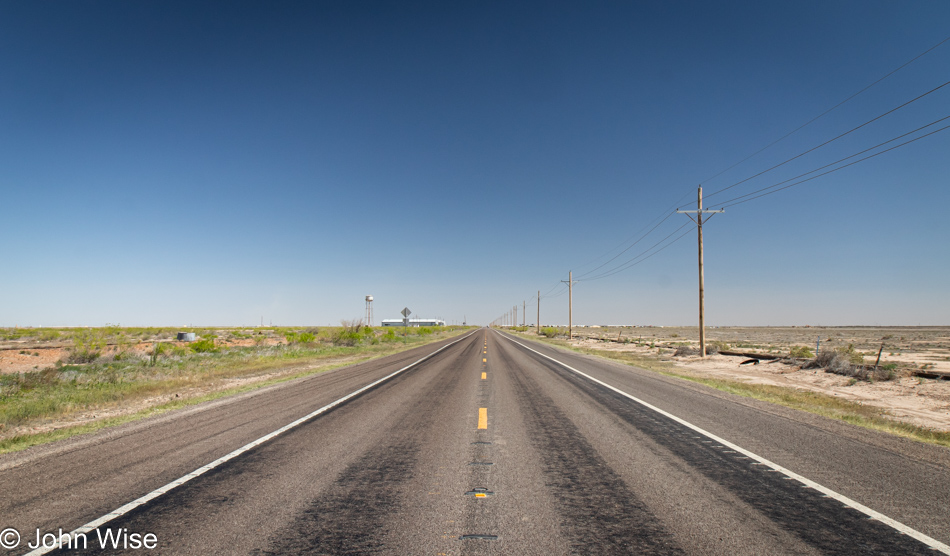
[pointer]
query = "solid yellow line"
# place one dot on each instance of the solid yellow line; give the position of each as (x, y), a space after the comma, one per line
(483, 417)
(484, 376)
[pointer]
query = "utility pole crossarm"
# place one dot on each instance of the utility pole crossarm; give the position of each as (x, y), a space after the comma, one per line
(698, 219)
(570, 304)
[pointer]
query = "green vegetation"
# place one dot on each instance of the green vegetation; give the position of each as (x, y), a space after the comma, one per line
(853, 356)
(191, 371)
(204, 346)
(300, 337)
(802, 352)
(549, 332)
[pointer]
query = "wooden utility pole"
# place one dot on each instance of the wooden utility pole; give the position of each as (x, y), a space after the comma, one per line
(702, 288)
(570, 305)
(524, 312)
(539, 312)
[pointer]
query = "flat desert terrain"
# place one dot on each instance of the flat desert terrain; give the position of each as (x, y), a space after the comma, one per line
(909, 351)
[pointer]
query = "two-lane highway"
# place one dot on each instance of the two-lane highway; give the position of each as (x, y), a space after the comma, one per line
(490, 445)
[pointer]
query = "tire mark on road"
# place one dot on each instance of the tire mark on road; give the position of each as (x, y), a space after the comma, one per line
(600, 515)
(821, 522)
(351, 518)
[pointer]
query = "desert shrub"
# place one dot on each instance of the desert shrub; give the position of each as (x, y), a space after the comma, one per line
(82, 356)
(124, 355)
(801, 352)
(853, 356)
(425, 331)
(205, 345)
(550, 332)
(834, 361)
(718, 345)
(87, 346)
(712, 348)
(348, 334)
(157, 351)
(390, 335)
(49, 335)
(300, 337)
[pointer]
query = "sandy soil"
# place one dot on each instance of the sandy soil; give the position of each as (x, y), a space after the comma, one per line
(26, 356)
(923, 402)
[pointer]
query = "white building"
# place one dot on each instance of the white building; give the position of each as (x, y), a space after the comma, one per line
(414, 322)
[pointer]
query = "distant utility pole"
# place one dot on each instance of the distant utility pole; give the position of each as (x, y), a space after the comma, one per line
(702, 288)
(539, 312)
(570, 304)
(524, 311)
(514, 316)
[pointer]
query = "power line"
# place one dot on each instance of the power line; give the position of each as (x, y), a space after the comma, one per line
(809, 122)
(628, 247)
(842, 159)
(653, 225)
(624, 242)
(627, 264)
(681, 236)
(556, 286)
(935, 89)
(828, 172)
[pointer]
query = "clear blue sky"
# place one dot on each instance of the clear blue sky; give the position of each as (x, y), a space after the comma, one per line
(173, 163)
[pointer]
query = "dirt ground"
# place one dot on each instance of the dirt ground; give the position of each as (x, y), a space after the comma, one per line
(920, 401)
(31, 355)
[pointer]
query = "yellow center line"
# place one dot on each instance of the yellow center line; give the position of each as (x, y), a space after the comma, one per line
(484, 376)
(483, 417)
(484, 360)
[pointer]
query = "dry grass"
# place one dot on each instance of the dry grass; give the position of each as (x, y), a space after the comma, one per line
(812, 402)
(38, 407)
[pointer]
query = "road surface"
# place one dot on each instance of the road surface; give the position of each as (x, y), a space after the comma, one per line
(492, 445)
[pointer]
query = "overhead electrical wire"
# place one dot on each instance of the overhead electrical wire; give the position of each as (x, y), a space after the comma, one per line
(809, 122)
(859, 153)
(627, 264)
(761, 193)
(608, 261)
(624, 242)
(679, 237)
(852, 130)
(730, 203)
(646, 254)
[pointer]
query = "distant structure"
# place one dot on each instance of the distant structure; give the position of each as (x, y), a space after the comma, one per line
(369, 310)
(414, 322)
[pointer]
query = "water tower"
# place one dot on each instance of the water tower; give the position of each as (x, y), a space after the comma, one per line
(369, 310)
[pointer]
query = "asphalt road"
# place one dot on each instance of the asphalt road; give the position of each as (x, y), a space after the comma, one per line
(488, 447)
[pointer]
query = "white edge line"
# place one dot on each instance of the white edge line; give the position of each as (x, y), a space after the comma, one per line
(118, 512)
(900, 527)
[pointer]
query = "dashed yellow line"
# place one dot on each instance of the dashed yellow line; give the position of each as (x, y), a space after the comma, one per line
(483, 417)
(484, 376)
(484, 360)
